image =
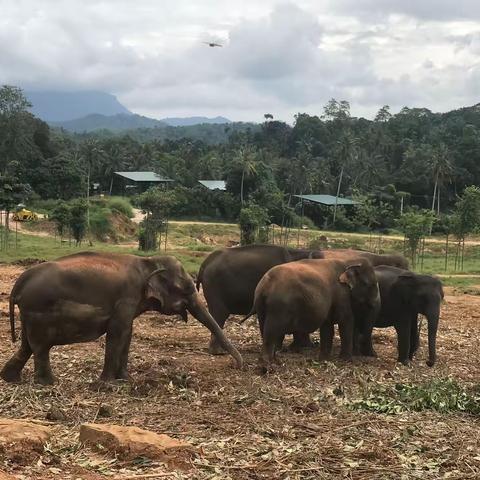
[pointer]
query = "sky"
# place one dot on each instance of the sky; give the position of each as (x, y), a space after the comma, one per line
(278, 57)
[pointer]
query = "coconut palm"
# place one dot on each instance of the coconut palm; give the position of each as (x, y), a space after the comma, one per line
(441, 168)
(346, 153)
(247, 157)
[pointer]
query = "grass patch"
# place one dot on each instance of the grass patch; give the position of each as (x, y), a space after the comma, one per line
(444, 395)
(47, 248)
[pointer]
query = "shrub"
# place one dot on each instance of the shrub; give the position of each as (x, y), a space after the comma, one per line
(121, 205)
(100, 225)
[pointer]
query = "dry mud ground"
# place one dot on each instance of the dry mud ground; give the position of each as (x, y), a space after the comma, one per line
(293, 423)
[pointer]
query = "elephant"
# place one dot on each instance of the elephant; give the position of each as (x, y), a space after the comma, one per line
(229, 277)
(308, 295)
(79, 297)
(395, 260)
(404, 295)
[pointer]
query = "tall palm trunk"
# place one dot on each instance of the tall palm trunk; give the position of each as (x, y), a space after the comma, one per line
(111, 186)
(338, 193)
(435, 191)
(241, 187)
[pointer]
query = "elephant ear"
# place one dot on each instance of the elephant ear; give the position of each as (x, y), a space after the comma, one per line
(349, 276)
(405, 286)
(154, 287)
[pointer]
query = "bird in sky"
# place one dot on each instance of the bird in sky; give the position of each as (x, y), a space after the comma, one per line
(213, 44)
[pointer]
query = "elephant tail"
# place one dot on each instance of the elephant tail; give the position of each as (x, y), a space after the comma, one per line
(249, 314)
(11, 305)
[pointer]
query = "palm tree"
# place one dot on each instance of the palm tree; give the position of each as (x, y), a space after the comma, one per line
(248, 160)
(114, 162)
(346, 152)
(92, 156)
(441, 168)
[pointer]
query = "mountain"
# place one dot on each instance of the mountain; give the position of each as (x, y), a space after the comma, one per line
(57, 106)
(187, 121)
(114, 123)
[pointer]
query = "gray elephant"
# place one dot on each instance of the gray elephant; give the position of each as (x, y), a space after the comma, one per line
(393, 259)
(311, 295)
(80, 297)
(404, 295)
(229, 277)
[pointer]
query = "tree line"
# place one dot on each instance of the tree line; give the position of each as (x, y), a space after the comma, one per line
(412, 159)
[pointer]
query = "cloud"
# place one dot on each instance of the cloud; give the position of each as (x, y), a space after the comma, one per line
(437, 10)
(277, 57)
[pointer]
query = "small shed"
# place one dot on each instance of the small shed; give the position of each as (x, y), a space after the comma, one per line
(328, 200)
(141, 181)
(214, 184)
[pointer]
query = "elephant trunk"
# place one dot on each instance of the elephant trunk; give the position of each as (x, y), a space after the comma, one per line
(432, 318)
(199, 311)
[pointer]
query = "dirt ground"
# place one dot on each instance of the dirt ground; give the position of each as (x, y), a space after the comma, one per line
(291, 424)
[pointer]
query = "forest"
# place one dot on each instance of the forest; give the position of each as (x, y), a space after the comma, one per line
(412, 159)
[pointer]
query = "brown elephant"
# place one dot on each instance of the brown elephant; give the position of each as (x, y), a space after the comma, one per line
(80, 297)
(310, 295)
(229, 277)
(394, 260)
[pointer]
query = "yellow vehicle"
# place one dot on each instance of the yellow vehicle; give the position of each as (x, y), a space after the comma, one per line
(24, 215)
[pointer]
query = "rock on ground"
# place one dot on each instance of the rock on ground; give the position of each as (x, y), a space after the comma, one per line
(6, 476)
(23, 432)
(131, 442)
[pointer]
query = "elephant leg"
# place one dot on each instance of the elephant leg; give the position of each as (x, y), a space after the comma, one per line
(403, 336)
(301, 340)
(43, 371)
(356, 341)
(414, 337)
(12, 369)
(122, 371)
(271, 339)
(279, 346)
(366, 344)
(326, 340)
(220, 314)
(119, 334)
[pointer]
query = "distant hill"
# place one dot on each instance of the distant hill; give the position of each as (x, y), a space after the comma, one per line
(187, 121)
(57, 106)
(114, 123)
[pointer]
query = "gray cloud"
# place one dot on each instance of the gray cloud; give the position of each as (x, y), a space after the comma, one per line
(277, 57)
(440, 10)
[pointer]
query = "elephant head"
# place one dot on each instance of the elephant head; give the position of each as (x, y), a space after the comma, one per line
(361, 279)
(422, 294)
(170, 290)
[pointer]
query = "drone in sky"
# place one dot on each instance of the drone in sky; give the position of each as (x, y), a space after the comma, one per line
(213, 44)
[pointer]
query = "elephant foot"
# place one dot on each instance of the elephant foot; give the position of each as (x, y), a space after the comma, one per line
(11, 374)
(430, 363)
(45, 379)
(215, 349)
(369, 353)
(324, 357)
(11, 377)
(405, 362)
(346, 357)
(123, 376)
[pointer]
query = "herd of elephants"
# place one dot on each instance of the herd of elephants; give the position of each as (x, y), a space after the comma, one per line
(80, 297)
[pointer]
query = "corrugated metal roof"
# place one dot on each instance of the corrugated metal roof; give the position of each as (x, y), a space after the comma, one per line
(144, 176)
(214, 184)
(327, 199)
